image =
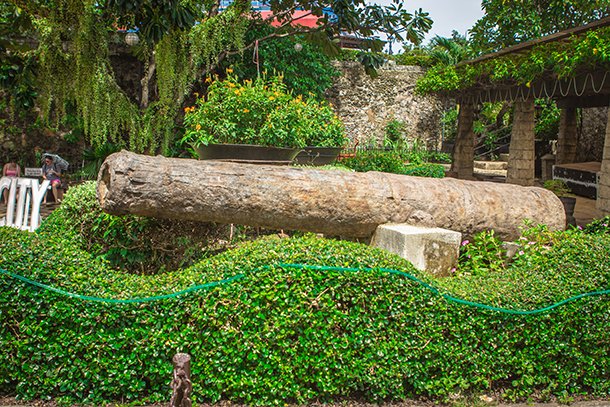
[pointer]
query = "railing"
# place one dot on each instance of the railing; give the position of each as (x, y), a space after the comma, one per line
(483, 146)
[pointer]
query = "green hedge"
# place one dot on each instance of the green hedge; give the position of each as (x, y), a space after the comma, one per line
(281, 335)
(136, 244)
(391, 162)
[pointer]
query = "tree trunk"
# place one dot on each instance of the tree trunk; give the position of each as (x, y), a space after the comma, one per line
(308, 199)
(145, 82)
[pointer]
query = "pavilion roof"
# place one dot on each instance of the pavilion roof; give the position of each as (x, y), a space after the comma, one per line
(587, 86)
(565, 35)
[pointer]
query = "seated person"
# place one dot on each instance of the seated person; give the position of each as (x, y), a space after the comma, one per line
(52, 172)
(11, 170)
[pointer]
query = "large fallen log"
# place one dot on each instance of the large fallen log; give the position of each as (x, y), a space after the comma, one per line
(309, 199)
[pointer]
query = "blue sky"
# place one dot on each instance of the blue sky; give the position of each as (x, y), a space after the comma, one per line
(448, 15)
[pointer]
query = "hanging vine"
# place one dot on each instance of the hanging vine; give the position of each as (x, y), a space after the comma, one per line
(182, 40)
(223, 31)
(560, 59)
(75, 67)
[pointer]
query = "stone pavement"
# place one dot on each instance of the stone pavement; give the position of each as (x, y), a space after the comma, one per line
(584, 211)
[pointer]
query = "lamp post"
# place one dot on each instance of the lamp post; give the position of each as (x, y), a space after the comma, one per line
(132, 39)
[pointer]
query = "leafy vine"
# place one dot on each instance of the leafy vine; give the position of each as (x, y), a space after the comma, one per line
(550, 60)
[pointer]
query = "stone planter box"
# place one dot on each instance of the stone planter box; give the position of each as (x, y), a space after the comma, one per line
(245, 153)
(318, 155)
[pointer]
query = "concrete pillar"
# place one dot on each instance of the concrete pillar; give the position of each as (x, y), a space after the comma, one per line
(567, 140)
(463, 150)
(602, 206)
(548, 161)
(521, 154)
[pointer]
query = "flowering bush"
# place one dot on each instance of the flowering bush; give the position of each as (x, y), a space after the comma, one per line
(484, 254)
(261, 112)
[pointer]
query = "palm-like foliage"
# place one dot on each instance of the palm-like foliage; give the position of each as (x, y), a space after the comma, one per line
(95, 157)
(449, 51)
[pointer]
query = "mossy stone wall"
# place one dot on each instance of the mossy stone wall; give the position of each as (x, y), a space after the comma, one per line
(366, 105)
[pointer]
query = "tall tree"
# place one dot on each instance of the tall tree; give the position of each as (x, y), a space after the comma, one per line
(509, 22)
(181, 41)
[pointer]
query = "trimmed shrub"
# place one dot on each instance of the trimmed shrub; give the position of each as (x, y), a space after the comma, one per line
(284, 334)
(391, 162)
(132, 243)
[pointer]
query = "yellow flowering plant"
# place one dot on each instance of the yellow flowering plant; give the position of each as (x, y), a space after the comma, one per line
(260, 112)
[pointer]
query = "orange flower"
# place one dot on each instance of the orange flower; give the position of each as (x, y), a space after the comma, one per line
(246, 110)
(271, 98)
(208, 79)
(198, 127)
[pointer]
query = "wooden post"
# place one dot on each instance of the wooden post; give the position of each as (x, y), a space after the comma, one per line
(181, 384)
(567, 140)
(521, 154)
(463, 150)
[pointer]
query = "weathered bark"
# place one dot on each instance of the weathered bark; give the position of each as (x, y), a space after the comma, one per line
(308, 199)
(145, 82)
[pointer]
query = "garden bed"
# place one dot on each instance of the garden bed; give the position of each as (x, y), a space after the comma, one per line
(276, 334)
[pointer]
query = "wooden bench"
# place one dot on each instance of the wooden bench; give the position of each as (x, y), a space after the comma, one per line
(37, 172)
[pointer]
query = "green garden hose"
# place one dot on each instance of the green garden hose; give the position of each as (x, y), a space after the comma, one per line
(302, 266)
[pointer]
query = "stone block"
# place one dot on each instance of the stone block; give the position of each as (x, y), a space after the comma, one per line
(603, 192)
(526, 173)
(602, 208)
(528, 154)
(491, 165)
(548, 161)
(433, 250)
(516, 163)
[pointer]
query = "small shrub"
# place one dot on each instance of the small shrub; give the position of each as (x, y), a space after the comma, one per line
(483, 255)
(375, 161)
(391, 162)
(428, 170)
(136, 244)
(394, 132)
(559, 187)
(600, 226)
(261, 112)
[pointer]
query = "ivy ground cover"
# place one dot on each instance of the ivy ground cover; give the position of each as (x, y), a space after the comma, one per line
(280, 334)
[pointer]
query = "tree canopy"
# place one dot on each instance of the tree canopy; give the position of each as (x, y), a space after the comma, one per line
(181, 42)
(509, 22)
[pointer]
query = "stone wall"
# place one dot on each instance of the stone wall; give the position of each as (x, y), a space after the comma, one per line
(366, 105)
(592, 134)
